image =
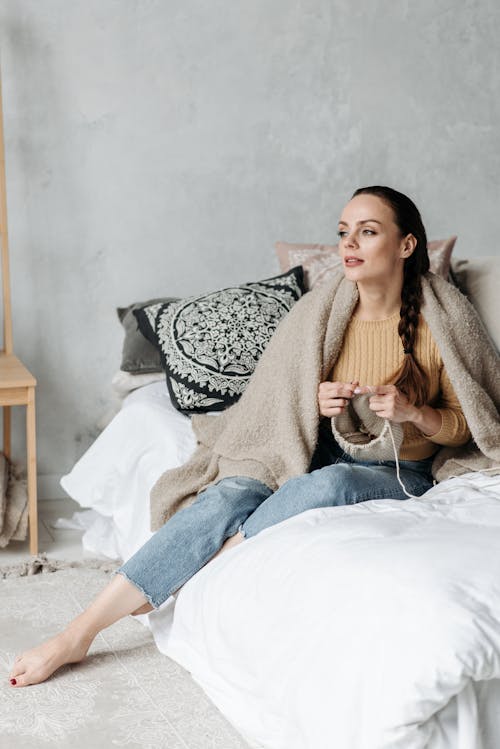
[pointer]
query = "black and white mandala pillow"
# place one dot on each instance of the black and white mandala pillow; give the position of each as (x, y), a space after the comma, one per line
(210, 344)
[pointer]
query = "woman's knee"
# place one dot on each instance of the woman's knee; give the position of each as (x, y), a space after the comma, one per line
(231, 496)
(337, 475)
(344, 483)
(326, 486)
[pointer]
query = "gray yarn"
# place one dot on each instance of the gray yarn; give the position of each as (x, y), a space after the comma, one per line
(363, 435)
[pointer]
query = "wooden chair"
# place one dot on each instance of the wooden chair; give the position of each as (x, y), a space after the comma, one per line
(17, 384)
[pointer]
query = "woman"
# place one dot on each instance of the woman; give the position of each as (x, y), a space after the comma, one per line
(388, 351)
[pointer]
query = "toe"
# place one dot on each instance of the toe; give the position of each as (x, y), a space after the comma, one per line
(20, 681)
(17, 669)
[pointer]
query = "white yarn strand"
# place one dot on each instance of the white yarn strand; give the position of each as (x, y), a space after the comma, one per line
(412, 496)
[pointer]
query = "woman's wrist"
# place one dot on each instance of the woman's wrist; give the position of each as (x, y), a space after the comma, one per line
(428, 420)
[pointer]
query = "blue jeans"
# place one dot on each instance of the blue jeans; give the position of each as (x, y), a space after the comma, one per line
(191, 537)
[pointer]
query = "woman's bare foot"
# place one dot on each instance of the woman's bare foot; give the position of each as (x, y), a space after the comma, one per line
(36, 665)
(118, 599)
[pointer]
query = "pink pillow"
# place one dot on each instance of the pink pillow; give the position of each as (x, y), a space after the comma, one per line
(321, 261)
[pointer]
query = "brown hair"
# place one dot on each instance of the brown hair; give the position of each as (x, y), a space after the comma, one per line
(410, 378)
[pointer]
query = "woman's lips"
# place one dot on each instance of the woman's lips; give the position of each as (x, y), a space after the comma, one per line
(352, 261)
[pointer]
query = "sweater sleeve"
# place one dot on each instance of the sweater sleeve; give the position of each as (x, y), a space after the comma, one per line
(454, 430)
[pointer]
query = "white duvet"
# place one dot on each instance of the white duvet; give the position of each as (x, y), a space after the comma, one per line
(349, 627)
(374, 626)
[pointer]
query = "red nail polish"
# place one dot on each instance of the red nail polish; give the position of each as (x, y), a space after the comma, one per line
(13, 682)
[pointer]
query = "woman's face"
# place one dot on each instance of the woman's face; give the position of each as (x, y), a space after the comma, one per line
(371, 245)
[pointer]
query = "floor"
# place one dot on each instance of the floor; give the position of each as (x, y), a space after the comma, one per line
(55, 542)
(148, 701)
(125, 694)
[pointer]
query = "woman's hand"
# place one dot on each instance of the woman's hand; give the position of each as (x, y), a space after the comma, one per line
(389, 403)
(333, 397)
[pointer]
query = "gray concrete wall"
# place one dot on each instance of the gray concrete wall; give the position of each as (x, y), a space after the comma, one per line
(158, 148)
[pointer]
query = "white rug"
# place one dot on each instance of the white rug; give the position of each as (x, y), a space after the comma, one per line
(125, 694)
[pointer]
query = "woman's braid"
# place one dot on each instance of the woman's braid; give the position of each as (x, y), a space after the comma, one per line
(410, 378)
(411, 298)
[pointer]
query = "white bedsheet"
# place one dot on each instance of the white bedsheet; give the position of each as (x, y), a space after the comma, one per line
(349, 627)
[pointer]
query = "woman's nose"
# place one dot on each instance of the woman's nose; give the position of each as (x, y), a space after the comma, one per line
(350, 240)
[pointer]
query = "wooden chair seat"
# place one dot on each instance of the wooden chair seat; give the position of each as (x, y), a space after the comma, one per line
(13, 373)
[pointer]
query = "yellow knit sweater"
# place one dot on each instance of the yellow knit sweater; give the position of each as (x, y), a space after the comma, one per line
(372, 352)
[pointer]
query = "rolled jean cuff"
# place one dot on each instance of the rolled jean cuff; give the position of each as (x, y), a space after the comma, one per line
(139, 587)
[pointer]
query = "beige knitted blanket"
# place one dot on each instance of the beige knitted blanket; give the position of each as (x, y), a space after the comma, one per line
(270, 434)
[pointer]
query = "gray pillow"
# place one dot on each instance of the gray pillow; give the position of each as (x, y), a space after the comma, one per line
(139, 356)
(479, 279)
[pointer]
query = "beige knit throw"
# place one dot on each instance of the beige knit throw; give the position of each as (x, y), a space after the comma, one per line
(270, 434)
(13, 503)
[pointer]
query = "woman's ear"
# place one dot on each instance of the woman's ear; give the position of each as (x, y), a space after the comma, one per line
(408, 246)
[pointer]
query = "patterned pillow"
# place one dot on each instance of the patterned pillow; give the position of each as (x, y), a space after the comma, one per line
(321, 261)
(209, 344)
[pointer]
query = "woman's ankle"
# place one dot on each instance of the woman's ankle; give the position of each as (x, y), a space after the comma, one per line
(81, 632)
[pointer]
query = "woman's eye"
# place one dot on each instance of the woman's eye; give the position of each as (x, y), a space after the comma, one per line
(342, 234)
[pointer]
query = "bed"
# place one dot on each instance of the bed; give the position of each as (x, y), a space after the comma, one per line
(370, 626)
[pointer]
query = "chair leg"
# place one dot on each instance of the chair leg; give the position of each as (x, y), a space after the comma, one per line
(6, 431)
(31, 450)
